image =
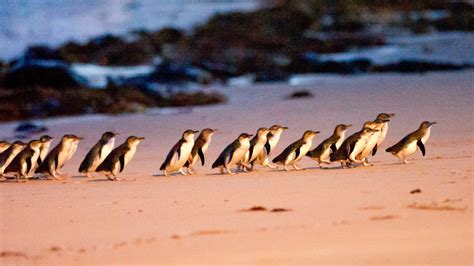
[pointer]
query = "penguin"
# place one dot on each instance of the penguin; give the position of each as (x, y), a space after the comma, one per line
(322, 152)
(272, 140)
(7, 156)
(295, 151)
(199, 149)
(60, 154)
(408, 145)
(179, 154)
(25, 161)
(4, 145)
(44, 149)
(257, 144)
(98, 153)
(120, 157)
(383, 131)
(233, 153)
(352, 146)
(377, 124)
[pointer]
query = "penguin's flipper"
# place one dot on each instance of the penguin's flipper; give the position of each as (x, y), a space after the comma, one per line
(268, 147)
(351, 148)
(422, 146)
(100, 151)
(250, 153)
(297, 152)
(201, 156)
(29, 164)
(176, 149)
(187, 163)
(333, 147)
(56, 161)
(122, 162)
(374, 151)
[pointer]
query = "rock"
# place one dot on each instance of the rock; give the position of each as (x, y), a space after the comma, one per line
(42, 73)
(300, 94)
(409, 66)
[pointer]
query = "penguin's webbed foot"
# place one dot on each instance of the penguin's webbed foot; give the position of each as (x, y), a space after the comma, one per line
(296, 168)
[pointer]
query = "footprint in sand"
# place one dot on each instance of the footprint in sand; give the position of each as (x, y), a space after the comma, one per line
(383, 217)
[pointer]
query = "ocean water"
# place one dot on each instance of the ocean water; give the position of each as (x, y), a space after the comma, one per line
(53, 22)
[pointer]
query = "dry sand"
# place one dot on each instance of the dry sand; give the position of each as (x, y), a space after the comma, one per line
(365, 215)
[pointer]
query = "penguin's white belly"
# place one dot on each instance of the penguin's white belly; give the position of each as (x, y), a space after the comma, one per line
(62, 158)
(369, 147)
(340, 141)
(325, 155)
(72, 150)
(237, 156)
(34, 161)
(358, 148)
(383, 134)
(129, 155)
(175, 163)
(256, 150)
(273, 142)
(106, 149)
(425, 138)
(409, 149)
(292, 159)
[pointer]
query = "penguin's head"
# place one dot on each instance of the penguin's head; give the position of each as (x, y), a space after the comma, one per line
(109, 135)
(341, 128)
(369, 124)
(46, 139)
(369, 131)
(385, 116)
(309, 134)
(19, 144)
(4, 143)
(245, 136)
(133, 140)
(69, 138)
(427, 124)
(263, 132)
(35, 144)
(207, 133)
(277, 129)
(189, 134)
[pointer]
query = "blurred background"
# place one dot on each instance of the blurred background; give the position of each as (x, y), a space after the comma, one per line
(73, 57)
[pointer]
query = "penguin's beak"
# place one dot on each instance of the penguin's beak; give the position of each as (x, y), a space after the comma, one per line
(195, 131)
(392, 114)
(285, 128)
(433, 123)
(79, 138)
(215, 130)
(349, 125)
(250, 135)
(316, 132)
(141, 138)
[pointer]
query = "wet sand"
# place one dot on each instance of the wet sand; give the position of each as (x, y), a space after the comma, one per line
(365, 215)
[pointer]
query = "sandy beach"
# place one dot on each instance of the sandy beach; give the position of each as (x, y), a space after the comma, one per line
(365, 215)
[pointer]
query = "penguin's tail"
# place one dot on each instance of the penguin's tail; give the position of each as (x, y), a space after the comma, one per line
(309, 154)
(279, 158)
(163, 166)
(389, 149)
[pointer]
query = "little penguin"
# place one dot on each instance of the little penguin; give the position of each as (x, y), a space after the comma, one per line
(116, 161)
(58, 156)
(199, 149)
(98, 153)
(408, 145)
(233, 153)
(257, 144)
(4, 145)
(377, 124)
(25, 161)
(383, 131)
(179, 154)
(295, 151)
(7, 156)
(352, 146)
(273, 137)
(322, 152)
